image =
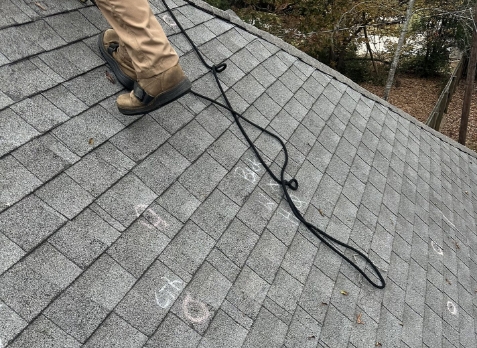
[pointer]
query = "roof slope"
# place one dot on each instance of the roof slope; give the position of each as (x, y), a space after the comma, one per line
(164, 231)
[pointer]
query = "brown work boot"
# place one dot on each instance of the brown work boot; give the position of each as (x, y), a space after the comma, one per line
(152, 93)
(117, 58)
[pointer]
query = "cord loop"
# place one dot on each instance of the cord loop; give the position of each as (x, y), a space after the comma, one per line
(219, 68)
(292, 184)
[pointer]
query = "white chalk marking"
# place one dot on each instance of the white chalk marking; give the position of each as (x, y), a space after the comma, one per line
(297, 201)
(273, 184)
(173, 283)
(448, 221)
(288, 216)
(451, 307)
(164, 297)
(199, 306)
(164, 302)
(256, 166)
(250, 176)
(168, 19)
(268, 203)
(437, 248)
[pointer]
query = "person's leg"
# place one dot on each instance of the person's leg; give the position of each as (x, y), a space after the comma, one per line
(160, 79)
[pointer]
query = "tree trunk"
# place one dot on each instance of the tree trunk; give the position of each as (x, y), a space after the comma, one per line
(368, 46)
(469, 87)
(397, 54)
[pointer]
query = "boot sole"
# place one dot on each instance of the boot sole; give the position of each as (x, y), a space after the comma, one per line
(123, 79)
(162, 99)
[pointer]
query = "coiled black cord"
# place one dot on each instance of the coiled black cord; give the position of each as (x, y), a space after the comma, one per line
(285, 184)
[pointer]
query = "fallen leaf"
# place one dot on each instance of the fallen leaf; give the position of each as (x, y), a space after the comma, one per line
(358, 319)
(110, 77)
(312, 337)
(91, 141)
(326, 304)
(448, 281)
(345, 293)
(378, 344)
(40, 6)
(321, 212)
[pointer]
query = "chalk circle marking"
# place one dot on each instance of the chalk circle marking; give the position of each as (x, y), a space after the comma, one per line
(168, 19)
(437, 248)
(194, 310)
(451, 307)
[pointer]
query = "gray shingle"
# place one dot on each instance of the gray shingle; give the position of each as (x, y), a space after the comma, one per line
(64, 195)
(10, 253)
(227, 150)
(72, 60)
(16, 182)
(148, 302)
(84, 238)
(140, 139)
(237, 242)
(128, 198)
(30, 221)
(138, 247)
(412, 327)
(389, 330)
(94, 294)
(161, 168)
(179, 202)
(224, 332)
(201, 177)
(279, 93)
(191, 140)
(43, 333)
(65, 100)
(115, 330)
(248, 292)
(45, 157)
(171, 117)
(23, 79)
(304, 331)
(172, 333)
(188, 250)
(71, 27)
(257, 210)
(88, 130)
(93, 86)
(223, 264)
(232, 40)
(267, 256)
(285, 291)
(30, 285)
(215, 214)
(14, 131)
(268, 331)
(329, 334)
(100, 169)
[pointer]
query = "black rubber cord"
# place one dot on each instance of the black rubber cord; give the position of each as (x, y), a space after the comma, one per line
(291, 184)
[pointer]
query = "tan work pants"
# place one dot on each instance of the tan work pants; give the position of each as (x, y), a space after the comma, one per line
(140, 34)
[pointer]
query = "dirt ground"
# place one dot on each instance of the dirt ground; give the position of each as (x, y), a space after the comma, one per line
(418, 96)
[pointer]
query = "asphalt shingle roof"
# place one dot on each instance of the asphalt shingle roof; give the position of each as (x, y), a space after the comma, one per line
(165, 231)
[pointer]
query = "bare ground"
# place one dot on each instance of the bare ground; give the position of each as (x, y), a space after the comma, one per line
(417, 97)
